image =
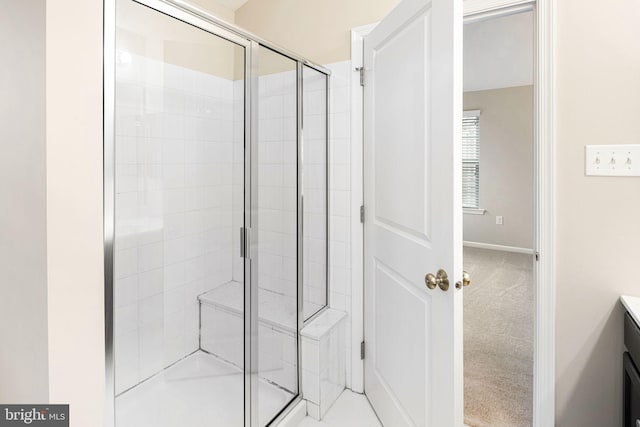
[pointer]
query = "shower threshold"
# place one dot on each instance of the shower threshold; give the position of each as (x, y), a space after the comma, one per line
(200, 390)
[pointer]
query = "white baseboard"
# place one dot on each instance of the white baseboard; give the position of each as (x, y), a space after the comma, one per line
(296, 415)
(503, 248)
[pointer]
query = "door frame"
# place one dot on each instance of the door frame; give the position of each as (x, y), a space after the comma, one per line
(544, 198)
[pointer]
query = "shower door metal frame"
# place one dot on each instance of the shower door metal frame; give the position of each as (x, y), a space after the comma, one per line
(184, 16)
(200, 19)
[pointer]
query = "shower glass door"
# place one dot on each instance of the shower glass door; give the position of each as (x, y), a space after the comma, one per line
(179, 277)
(276, 224)
(204, 243)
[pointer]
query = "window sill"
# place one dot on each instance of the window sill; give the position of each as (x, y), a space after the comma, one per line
(474, 211)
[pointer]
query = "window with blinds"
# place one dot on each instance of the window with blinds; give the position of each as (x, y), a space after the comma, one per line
(471, 159)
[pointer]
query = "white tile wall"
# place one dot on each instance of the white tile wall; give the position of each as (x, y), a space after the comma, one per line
(277, 197)
(221, 334)
(340, 198)
(238, 160)
(179, 202)
(315, 187)
(277, 231)
(174, 203)
(323, 364)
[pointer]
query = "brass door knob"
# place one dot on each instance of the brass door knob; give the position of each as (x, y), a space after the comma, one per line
(440, 279)
(466, 280)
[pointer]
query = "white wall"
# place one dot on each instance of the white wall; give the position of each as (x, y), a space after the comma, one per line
(318, 30)
(23, 259)
(506, 167)
(74, 208)
(597, 76)
(155, 35)
(598, 218)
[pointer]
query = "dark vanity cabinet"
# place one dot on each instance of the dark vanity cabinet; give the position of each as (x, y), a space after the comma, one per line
(630, 361)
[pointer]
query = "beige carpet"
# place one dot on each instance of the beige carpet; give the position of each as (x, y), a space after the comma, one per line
(498, 339)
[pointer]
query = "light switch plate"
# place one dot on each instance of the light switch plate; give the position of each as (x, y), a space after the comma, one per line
(612, 160)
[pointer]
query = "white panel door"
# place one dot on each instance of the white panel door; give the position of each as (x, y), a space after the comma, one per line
(413, 220)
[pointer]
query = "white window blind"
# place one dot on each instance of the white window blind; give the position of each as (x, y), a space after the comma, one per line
(471, 159)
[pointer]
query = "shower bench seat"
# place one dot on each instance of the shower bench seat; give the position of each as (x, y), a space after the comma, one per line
(222, 331)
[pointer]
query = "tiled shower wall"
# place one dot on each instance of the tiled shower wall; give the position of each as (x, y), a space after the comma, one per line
(277, 197)
(222, 329)
(238, 197)
(174, 232)
(179, 203)
(315, 187)
(277, 194)
(340, 198)
(271, 150)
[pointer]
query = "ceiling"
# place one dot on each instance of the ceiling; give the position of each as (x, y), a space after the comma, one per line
(498, 52)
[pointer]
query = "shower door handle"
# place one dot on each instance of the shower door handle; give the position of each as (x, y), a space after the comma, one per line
(243, 242)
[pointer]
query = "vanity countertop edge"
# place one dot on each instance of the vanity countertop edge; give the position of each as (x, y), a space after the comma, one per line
(632, 304)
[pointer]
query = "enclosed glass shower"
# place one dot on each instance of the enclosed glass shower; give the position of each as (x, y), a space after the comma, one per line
(216, 225)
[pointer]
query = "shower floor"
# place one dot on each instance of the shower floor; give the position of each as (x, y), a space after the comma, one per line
(199, 390)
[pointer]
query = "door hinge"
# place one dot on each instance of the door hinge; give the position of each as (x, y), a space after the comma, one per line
(362, 214)
(362, 350)
(361, 71)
